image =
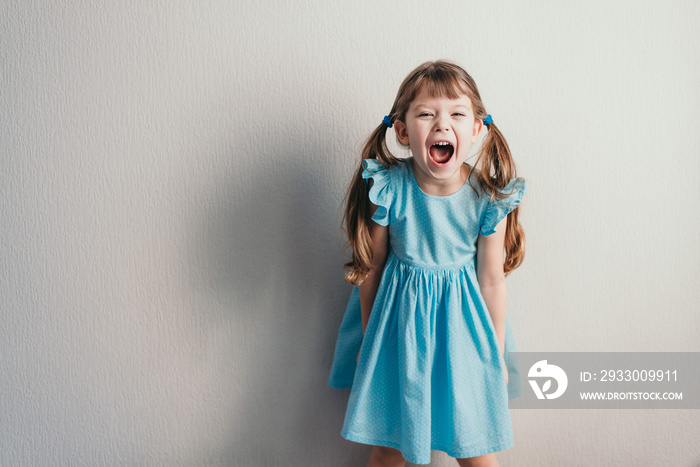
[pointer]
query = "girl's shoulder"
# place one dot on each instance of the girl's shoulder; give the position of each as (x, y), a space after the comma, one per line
(495, 206)
(373, 166)
(387, 184)
(516, 187)
(394, 176)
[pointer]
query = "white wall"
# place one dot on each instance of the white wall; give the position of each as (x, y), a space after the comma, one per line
(172, 171)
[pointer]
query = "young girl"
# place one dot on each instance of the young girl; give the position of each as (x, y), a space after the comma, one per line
(428, 313)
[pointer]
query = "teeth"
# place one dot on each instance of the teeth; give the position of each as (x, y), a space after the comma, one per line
(442, 143)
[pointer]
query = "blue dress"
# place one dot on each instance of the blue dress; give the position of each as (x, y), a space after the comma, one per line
(429, 374)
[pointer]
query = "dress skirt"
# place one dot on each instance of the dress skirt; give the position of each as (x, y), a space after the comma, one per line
(429, 374)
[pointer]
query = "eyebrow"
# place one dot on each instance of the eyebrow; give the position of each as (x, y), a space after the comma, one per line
(424, 104)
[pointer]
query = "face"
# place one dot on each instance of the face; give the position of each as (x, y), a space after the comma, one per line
(439, 132)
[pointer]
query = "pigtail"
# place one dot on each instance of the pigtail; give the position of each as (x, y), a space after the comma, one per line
(497, 170)
(514, 242)
(358, 212)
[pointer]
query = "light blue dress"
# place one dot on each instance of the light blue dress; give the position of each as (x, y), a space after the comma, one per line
(429, 374)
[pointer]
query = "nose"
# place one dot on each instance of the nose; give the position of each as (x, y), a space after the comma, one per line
(442, 124)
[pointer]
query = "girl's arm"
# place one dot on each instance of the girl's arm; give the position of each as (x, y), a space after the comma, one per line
(368, 288)
(492, 281)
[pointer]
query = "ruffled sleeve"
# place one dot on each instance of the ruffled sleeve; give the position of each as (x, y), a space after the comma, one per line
(381, 192)
(497, 209)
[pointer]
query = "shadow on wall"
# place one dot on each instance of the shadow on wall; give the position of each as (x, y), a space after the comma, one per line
(268, 279)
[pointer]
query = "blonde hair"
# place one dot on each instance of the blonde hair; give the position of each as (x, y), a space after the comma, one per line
(439, 79)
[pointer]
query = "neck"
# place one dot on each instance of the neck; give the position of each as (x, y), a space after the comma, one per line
(433, 187)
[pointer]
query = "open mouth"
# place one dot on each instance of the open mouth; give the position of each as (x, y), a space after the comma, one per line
(441, 152)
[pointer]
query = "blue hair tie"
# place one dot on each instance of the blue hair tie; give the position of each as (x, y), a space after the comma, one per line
(488, 119)
(387, 121)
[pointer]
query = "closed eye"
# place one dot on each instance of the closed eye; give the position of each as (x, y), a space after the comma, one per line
(424, 114)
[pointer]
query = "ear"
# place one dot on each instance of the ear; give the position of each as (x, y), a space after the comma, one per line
(478, 125)
(401, 131)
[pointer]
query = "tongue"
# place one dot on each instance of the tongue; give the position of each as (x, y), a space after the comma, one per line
(441, 154)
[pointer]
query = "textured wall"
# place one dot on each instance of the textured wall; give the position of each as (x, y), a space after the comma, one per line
(172, 171)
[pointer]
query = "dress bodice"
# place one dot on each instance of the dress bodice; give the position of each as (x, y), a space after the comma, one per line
(435, 232)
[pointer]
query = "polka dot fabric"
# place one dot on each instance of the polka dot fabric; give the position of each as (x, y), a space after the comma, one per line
(429, 375)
